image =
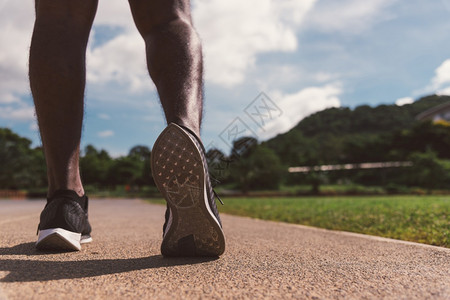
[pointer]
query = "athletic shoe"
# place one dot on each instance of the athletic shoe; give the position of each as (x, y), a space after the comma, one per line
(180, 171)
(64, 222)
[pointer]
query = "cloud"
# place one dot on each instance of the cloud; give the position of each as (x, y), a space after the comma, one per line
(34, 126)
(103, 116)
(404, 100)
(348, 16)
(16, 21)
(105, 133)
(21, 113)
(120, 61)
(444, 91)
(234, 32)
(442, 75)
(7, 97)
(298, 105)
(440, 83)
(114, 13)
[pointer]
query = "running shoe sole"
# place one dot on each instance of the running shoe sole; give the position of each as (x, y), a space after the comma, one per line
(61, 239)
(178, 171)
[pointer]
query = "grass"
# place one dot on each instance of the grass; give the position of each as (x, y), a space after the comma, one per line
(335, 189)
(423, 219)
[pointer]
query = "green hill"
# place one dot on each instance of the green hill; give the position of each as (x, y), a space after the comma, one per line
(344, 135)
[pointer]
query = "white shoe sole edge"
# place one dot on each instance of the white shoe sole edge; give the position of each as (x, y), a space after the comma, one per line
(58, 238)
(85, 239)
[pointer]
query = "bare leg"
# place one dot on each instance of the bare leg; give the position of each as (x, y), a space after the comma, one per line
(174, 57)
(57, 79)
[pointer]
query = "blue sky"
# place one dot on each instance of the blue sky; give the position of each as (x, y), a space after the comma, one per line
(268, 64)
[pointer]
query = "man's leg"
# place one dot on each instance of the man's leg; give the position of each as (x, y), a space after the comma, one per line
(57, 80)
(174, 58)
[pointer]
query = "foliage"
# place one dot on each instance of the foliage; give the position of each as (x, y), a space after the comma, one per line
(429, 172)
(21, 166)
(95, 166)
(332, 136)
(364, 134)
(24, 168)
(99, 169)
(422, 137)
(366, 119)
(259, 168)
(219, 166)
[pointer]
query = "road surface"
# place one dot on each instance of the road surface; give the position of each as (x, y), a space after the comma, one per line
(262, 260)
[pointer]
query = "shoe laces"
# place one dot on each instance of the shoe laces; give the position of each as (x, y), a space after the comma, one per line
(218, 198)
(214, 182)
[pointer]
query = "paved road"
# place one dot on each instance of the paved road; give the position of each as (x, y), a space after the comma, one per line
(262, 260)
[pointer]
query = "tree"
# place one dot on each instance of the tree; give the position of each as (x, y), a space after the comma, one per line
(259, 169)
(20, 166)
(425, 136)
(428, 171)
(243, 147)
(125, 170)
(95, 166)
(142, 154)
(218, 165)
(37, 169)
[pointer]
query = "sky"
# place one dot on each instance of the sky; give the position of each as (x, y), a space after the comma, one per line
(268, 64)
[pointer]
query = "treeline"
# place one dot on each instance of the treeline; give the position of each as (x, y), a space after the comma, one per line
(342, 136)
(23, 167)
(371, 134)
(265, 166)
(333, 136)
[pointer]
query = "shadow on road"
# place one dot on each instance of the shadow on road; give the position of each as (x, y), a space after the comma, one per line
(23, 270)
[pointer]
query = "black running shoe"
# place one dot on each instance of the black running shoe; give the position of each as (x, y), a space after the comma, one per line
(64, 222)
(179, 168)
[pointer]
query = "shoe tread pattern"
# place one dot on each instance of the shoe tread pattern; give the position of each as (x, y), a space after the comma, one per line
(179, 173)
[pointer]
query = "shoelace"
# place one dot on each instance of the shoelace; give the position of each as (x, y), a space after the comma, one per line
(218, 198)
(214, 182)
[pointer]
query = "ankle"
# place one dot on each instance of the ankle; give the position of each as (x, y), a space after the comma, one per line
(79, 190)
(193, 127)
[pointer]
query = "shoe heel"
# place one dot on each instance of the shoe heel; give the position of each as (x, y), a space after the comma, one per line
(179, 174)
(58, 239)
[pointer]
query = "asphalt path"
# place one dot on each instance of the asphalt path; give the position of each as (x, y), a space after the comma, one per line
(262, 260)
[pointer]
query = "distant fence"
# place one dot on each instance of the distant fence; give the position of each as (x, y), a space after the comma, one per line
(373, 165)
(12, 194)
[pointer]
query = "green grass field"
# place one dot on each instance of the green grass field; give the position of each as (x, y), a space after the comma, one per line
(423, 219)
